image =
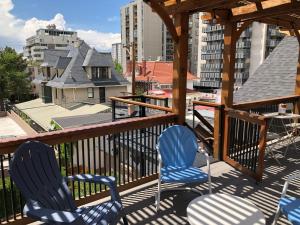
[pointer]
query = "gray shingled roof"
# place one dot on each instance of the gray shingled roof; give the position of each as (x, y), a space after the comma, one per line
(97, 59)
(51, 56)
(75, 74)
(62, 62)
(83, 120)
(275, 77)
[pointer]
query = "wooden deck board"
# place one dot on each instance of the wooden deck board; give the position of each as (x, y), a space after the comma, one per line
(140, 204)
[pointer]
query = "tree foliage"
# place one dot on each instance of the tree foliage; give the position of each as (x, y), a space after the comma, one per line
(14, 81)
(118, 67)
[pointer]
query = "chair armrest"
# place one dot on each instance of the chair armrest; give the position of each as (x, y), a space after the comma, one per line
(97, 179)
(287, 182)
(35, 211)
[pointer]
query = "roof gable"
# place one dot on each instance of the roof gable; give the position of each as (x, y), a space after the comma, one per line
(275, 77)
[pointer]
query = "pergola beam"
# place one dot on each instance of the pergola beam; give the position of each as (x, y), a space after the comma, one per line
(196, 5)
(269, 12)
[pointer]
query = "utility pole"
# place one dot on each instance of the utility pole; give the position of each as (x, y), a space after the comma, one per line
(132, 46)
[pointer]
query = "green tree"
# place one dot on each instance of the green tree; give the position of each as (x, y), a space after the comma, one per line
(118, 67)
(14, 81)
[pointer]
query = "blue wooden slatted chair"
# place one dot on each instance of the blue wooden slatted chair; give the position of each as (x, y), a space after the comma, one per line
(289, 206)
(177, 147)
(35, 171)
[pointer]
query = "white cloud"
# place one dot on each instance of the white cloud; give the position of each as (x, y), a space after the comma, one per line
(102, 41)
(112, 19)
(14, 31)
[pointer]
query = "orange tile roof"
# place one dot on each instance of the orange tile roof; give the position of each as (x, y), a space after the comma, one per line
(160, 72)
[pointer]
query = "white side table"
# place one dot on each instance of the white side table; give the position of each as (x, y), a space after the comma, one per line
(223, 209)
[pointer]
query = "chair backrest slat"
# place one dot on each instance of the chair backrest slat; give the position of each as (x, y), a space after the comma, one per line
(178, 146)
(34, 170)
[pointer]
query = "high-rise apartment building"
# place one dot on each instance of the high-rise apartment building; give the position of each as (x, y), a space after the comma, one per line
(49, 38)
(143, 27)
(168, 45)
(116, 52)
(254, 45)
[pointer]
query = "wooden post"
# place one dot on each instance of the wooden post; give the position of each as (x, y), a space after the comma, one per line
(133, 67)
(297, 88)
(180, 66)
(229, 63)
(231, 35)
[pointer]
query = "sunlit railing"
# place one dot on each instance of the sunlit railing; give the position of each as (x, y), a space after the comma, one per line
(124, 149)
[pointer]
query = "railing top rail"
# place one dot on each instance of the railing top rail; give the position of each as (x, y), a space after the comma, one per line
(156, 97)
(162, 108)
(140, 96)
(10, 144)
(129, 96)
(209, 104)
(272, 101)
(249, 117)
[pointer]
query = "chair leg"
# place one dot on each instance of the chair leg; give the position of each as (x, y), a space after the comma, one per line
(157, 197)
(276, 216)
(125, 221)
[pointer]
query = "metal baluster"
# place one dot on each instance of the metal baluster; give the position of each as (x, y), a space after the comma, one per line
(72, 168)
(4, 188)
(123, 156)
(89, 163)
(94, 155)
(12, 193)
(83, 166)
(104, 145)
(78, 167)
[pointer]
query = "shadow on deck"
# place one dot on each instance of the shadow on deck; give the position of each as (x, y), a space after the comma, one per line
(140, 207)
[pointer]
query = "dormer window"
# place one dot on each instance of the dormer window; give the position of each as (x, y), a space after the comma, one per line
(100, 73)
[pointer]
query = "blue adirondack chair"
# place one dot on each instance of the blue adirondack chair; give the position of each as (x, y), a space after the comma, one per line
(35, 171)
(177, 147)
(289, 206)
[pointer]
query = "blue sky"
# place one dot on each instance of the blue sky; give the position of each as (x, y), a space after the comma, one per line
(101, 15)
(96, 21)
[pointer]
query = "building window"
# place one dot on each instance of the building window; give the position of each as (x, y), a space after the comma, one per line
(99, 73)
(56, 93)
(90, 93)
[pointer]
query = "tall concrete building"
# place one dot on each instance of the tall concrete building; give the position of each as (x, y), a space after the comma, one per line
(193, 43)
(49, 38)
(168, 45)
(254, 45)
(153, 41)
(116, 52)
(142, 26)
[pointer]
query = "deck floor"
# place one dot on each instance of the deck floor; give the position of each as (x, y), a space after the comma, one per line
(140, 207)
(139, 202)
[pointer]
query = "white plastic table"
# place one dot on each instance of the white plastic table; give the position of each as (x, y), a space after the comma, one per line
(223, 209)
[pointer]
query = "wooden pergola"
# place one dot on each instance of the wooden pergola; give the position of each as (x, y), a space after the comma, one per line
(236, 16)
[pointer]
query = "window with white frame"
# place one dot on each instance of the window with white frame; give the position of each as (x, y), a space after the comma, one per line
(99, 73)
(90, 92)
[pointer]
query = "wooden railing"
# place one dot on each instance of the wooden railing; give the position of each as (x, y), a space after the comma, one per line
(217, 132)
(138, 106)
(124, 149)
(267, 105)
(245, 142)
